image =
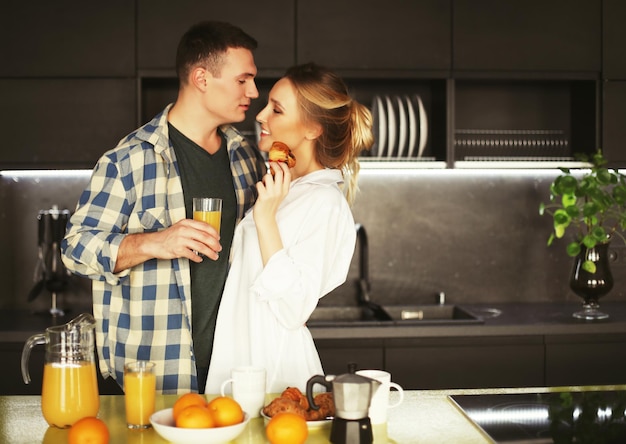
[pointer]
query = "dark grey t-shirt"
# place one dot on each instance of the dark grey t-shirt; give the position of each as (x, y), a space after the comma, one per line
(206, 175)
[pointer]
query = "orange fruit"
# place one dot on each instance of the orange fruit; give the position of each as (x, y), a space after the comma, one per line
(185, 401)
(287, 428)
(88, 430)
(225, 411)
(195, 417)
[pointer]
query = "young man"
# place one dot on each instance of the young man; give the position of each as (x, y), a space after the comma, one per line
(158, 275)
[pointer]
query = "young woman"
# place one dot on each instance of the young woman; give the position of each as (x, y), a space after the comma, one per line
(297, 243)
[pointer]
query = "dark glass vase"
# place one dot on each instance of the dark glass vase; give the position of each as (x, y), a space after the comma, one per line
(592, 286)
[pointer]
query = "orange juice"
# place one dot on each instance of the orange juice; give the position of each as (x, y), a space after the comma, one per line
(69, 392)
(139, 394)
(213, 218)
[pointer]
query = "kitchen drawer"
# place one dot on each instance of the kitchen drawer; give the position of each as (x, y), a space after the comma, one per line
(443, 363)
(585, 359)
(337, 354)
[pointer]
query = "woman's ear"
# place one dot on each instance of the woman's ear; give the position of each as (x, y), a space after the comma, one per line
(314, 131)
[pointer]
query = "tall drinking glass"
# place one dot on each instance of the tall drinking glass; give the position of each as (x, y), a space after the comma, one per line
(139, 393)
(209, 210)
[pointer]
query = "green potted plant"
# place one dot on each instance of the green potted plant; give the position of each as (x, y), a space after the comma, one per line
(592, 205)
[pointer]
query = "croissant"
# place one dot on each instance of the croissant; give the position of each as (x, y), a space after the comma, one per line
(293, 400)
(284, 405)
(326, 405)
(296, 395)
(280, 152)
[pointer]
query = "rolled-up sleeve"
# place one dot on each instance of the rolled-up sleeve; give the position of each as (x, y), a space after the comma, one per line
(97, 227)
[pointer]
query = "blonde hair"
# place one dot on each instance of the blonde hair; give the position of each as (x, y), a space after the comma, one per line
(346, 124)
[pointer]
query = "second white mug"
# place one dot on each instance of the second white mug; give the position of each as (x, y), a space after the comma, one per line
(248, 388)
(380, 401)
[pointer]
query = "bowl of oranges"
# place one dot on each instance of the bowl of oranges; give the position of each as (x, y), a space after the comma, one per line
(194, 420)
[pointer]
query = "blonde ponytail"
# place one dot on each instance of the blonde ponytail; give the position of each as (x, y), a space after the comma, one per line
(362, 138)
(347, 124)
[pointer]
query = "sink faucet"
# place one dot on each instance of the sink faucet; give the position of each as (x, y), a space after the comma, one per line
(364, 278)
(370, 309)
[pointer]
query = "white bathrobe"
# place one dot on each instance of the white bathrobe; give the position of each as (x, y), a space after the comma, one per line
(263, 312)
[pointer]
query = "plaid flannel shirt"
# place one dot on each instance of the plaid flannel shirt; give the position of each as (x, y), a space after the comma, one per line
(145, 312)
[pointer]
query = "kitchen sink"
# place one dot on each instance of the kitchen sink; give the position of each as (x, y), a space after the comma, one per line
(340, 316)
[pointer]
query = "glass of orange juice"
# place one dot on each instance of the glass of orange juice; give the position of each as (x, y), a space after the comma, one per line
(209, 210)
(139, 393)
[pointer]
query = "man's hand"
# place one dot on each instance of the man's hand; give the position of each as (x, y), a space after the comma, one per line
(186, 238)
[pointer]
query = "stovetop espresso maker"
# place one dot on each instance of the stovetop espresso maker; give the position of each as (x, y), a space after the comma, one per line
(352, 395)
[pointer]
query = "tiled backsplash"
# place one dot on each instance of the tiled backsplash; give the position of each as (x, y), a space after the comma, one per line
(474, 234)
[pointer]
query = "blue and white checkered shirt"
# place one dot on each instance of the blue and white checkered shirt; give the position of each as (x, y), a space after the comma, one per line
(145, 312)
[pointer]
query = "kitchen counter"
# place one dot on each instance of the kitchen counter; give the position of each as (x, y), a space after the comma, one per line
(424, 417)
(514, 319)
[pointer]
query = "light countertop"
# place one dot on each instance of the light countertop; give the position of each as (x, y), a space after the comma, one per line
(424, 417)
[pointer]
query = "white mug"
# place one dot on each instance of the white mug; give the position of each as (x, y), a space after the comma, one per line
(248, 388)
(380, 401)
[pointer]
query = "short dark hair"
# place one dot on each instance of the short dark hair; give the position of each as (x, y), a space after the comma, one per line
(205, 43)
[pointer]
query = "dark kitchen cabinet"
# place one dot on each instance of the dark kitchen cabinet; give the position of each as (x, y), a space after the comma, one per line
(521, 35)
(499, 80)
(501, 119)
(466, 362)
(613, 38)
(161, 23)
(365, 35)
(64, 123)
(336, 354)
(71, 38)
(613, 118)
(585, 360)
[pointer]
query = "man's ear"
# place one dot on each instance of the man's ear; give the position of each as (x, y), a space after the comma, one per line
(199, 77)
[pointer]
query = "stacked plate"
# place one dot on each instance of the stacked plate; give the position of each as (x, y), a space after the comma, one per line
(400, 127)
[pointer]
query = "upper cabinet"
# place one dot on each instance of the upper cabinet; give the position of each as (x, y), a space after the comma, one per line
(613, 39)
(398, 35)
(161, 23)
(72, 38)
(457, 81)
(528, 35)
(613, 118)
(64, 123)
(614, 86)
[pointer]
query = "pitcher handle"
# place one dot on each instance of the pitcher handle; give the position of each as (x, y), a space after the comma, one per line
(39, 339)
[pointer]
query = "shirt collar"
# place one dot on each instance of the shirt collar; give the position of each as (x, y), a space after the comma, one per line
(326, 176)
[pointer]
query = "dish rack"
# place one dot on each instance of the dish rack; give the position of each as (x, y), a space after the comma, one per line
(512, 144)
(400, 126)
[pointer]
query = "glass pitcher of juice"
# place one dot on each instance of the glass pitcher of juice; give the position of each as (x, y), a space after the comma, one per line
(70, 387)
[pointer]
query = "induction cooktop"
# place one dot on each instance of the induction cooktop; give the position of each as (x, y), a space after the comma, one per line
(556, 417)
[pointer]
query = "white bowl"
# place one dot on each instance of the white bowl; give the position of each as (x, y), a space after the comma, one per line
(163, 423)
(311, 425)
